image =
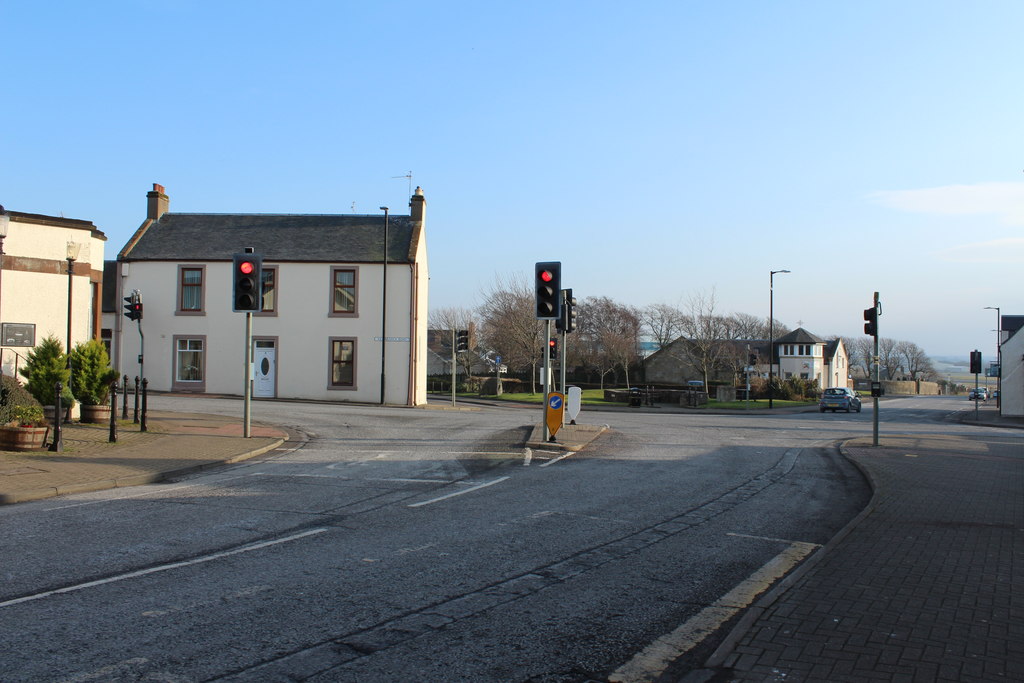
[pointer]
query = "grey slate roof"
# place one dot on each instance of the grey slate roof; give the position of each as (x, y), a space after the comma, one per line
(799, 336)
(334, 238)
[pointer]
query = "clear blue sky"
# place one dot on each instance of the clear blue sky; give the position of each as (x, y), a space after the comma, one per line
(658, 149)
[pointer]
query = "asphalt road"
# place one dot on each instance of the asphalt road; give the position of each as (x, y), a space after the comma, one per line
(393, 544)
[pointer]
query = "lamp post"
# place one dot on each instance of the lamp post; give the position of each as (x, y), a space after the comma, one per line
(999, 355)
(771, 334)
(5, 221)
(72, 255)
(384, 308)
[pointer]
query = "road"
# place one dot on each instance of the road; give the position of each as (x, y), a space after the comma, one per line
(394, 544)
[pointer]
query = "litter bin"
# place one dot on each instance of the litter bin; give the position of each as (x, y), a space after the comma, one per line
(635, 396)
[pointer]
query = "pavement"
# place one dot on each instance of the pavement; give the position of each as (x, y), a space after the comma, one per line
(174, 444)
(923, 585)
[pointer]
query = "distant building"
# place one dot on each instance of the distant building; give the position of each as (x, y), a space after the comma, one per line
(321, 333)
(797, 354)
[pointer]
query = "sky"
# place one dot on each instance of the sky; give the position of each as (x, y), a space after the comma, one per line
(660, 150)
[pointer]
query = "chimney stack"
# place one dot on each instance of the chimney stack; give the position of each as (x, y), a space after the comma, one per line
(417, 205)
(157, 202)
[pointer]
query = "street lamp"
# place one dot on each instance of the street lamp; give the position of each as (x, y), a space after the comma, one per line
(771, 334)
(5, 221)
(384, 307)
(72, 255)
(999, 357)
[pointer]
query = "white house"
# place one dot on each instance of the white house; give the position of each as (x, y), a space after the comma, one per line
(806, 356)
(336, 324)
(1011, 384)
(36, 253)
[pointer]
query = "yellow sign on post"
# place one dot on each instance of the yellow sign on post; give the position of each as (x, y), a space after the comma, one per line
(554, 412)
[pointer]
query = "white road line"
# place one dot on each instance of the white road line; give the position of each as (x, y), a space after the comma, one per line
(458, 493)
(561, 457)
(655, 658)
(149, 492)
(161, 568)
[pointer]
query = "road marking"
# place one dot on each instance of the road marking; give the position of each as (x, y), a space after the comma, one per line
(655, 658)
(149, 492)
(456, 493)
(561, 457)
(161, 568)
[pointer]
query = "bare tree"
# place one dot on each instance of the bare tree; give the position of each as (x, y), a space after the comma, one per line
(449, 320)
(509, 326)
(914, 361)
(706, 333)
(662, 322)
(747, 326)
(889, 357)
(609, 334)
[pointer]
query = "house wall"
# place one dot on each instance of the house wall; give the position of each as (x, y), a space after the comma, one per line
(812, 365)
(302, 327)
(34, 282)
(1011, 387)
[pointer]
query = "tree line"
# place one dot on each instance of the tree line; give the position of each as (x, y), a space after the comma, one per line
(606, 346)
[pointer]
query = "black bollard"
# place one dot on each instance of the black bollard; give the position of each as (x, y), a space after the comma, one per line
(57, 446)
(124, 400)
(113, 412)
(145, 384)
(136, 419)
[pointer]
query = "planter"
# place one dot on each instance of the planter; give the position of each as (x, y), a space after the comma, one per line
(96, 414)
(74, 413)
(23, 438)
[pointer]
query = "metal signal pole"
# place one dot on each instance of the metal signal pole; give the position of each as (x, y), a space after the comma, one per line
(878, 381)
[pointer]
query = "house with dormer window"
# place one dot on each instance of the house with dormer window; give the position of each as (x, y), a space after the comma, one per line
(806, 356)
(343, 314)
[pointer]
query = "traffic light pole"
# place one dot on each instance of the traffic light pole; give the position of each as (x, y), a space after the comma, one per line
(547, 383)
(454, 352)
(878, 380)
(247, 390)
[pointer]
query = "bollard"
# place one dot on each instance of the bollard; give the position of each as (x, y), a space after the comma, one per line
(136, 418)
(124, 400)
(57, 446)
(145, 383)
(113, 412)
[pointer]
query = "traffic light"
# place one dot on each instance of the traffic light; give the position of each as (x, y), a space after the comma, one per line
(975, 362)
(871, 326)
(462, 341)
(547, 280)
(567, 320)
(246, 291)
(133, 306)
(553, 348)
(752, 359)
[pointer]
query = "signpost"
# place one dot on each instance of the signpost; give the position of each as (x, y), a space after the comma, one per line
(553, 413)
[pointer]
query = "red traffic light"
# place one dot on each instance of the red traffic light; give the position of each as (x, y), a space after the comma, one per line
(546, 275)
(247, 267)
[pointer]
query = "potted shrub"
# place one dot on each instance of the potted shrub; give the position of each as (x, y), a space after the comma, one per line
(45, 366)
(91, 377)
(22, 425)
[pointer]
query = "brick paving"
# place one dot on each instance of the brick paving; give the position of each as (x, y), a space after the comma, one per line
(927, 584)
(175, 444)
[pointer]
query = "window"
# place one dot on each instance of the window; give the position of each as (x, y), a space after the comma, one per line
(190, 290)
(190, 363)
(269, 289)
(343, 291)
(343, 363)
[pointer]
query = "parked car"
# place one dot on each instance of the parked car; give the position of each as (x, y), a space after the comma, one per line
(839, 398)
